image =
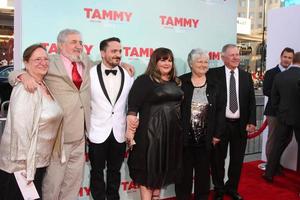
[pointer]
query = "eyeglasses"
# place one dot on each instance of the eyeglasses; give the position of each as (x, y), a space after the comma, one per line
(40, 60)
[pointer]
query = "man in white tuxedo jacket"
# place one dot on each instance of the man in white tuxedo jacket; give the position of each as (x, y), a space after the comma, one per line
(110, 85)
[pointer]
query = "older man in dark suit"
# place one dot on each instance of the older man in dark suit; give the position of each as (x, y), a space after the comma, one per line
(238, 91)
(285, 100)
(286, 59)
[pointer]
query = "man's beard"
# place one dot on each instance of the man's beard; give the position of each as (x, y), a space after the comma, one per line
(73, 58)
(116, 63)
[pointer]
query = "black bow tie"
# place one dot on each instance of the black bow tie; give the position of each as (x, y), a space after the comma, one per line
(113, 71)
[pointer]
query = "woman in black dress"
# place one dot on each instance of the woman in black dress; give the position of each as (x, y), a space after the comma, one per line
(202, 122)
(155, 159)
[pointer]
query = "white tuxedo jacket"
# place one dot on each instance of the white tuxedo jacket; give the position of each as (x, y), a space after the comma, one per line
(106, 117)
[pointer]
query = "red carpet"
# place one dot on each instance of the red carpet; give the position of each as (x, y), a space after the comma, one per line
(253, 187)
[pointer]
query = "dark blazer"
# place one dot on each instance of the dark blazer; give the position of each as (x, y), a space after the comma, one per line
(246, 95)
(216, 110)
(267, 88)
(286, 96)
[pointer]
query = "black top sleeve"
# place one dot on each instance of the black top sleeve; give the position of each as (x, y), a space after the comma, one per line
(275, 95)
(138, 93)
(267, 84)
(252, 102)
(220, 113)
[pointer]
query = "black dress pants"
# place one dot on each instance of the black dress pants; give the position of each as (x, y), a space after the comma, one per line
(237, 143)
(9, 189)
(194, 159)
(109, 155)
(283, 133)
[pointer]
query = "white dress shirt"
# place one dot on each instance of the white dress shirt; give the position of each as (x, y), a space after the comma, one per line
(229, 114)
(282, 69)
(69, 67)
(112, 82)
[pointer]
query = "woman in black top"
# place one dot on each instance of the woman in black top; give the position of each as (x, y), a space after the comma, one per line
(155, 158)
(202, 123)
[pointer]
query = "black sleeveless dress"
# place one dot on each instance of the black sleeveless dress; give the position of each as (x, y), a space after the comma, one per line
(156, 159)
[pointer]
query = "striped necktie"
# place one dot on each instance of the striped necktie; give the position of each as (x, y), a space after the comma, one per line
(233, 105)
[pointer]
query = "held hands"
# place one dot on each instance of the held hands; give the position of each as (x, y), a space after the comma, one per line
(29, 83)
(132, 124)
(128, 67)
(215, 141)
(250, 128)
(129, 135)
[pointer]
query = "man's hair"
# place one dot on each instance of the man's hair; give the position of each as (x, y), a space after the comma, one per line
(62, 35)
(227, 46)
(104, 43)
(288, 50)
(296, 59)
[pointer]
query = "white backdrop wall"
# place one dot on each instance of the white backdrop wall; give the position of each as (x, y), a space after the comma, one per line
(141, 25)
(283, 31)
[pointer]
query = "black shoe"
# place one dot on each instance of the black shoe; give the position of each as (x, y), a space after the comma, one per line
(267, 178)
(279, 171)
(234, 195)
(218, 196)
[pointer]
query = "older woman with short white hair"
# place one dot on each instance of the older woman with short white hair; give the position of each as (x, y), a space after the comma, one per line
(202, 115)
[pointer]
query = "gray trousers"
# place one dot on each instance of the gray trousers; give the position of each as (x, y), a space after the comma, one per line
(272, 122)
(63, 181)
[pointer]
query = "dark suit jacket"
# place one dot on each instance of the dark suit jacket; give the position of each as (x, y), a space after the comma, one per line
(286, 96)
(216, 110)
(267, 88)
(246, 95)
